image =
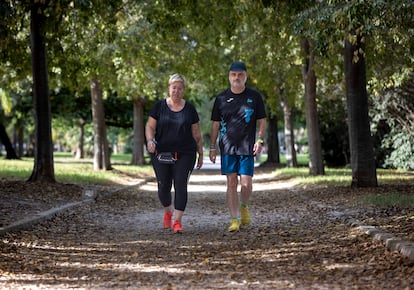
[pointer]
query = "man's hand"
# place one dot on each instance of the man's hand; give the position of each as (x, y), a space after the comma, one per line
(257, 148)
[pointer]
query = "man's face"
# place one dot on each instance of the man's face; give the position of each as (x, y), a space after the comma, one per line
(237, 79)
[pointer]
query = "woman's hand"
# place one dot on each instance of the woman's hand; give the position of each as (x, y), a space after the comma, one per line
(151, 146)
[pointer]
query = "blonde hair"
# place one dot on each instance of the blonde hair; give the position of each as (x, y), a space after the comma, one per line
(177, 78)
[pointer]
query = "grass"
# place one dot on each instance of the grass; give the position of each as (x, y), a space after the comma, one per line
(69, 170)
(343, 177)
(333, 176)
(390, 199)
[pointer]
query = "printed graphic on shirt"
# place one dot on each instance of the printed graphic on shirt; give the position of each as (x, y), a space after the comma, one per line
(223, 128)
(249, 113)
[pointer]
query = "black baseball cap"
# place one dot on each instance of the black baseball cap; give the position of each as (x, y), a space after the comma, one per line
(238, 66)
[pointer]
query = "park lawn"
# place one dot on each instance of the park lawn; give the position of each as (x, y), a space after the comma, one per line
(69, 170)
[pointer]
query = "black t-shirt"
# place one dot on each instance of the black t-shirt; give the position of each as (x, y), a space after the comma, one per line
(238, 114)
(173, 132)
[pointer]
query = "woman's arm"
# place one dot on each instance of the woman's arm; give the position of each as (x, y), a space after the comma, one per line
(195, 128)
(150, 134)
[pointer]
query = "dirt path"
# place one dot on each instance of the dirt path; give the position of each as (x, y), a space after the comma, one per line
(118, 242)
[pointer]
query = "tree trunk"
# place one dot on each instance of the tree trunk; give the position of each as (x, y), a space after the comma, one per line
(139, 136)
(43, 169)
(101, 158)
(80, 150)
(5, 140)
(312, 121)
(361, 148)
(273, 152)
(290, 152)
(19, 139)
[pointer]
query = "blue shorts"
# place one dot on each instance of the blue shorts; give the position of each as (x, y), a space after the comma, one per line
(240, 164)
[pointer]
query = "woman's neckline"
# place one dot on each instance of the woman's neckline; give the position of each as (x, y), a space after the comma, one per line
(175, 107)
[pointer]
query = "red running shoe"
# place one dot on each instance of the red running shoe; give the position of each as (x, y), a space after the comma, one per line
(167, 220)
(177, 228)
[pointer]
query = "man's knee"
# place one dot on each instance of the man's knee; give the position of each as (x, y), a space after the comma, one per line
(232, 180)
(246, 182)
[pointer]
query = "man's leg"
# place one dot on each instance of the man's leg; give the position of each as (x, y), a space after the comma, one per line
(233, 201)
(232, 196)
(246, 191)
(246, 188)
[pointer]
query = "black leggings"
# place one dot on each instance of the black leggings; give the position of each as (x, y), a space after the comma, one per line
(179, 173)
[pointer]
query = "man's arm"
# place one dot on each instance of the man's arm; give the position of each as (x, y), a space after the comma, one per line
(262, 128)
(258, 145)
(215, 126)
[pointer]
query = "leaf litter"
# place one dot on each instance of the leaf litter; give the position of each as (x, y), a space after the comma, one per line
(298, 240)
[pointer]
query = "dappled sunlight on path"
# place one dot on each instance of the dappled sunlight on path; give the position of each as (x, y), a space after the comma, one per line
(119, 242)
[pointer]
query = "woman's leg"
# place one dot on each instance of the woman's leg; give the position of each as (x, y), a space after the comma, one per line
(181, 174)
(163, 173)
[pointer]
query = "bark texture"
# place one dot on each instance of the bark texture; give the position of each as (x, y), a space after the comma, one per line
(43, 169)
(361, 147)
(312, 120)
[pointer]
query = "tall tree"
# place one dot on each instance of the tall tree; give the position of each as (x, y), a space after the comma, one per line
(101, 156)
(273, 156)
(5, 140)
(43, 169)
(362, 154)
(326, 23)
(138, 129)
(290, 152)
(312, 121)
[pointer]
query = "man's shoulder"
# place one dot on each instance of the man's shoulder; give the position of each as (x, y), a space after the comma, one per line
(224, 93)
(252, 91)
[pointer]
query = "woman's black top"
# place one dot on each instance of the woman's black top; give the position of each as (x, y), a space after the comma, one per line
(173, 132)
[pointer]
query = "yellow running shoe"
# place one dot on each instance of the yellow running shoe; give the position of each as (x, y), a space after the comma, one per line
(245, 216)
(234, 226)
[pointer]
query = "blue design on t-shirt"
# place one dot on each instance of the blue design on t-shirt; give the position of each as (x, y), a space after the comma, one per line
(223, 128)
(249, 113)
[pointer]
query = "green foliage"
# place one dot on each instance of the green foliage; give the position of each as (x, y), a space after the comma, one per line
(5, 101)
(118, 112)
(133, 46)
(393, 120)
(402, 155)
(334, 132)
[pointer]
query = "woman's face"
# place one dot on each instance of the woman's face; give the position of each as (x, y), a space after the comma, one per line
(176, 90)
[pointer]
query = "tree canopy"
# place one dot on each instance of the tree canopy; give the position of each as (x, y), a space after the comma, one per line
(131, 47)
